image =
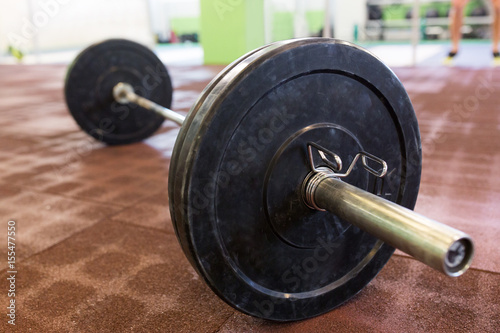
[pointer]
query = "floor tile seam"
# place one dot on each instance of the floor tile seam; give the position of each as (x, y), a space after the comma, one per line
(130, 224)
(405, 256)
(148, 199)
(10, 110)
(76, 198)
(455, 185)
(56, 244)
(229, 317)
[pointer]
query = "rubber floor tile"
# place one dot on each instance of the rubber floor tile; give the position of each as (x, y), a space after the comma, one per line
(114, 277)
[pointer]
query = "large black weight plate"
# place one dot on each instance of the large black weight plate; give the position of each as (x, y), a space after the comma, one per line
(235, 191)
(206, 93)
(89, 87)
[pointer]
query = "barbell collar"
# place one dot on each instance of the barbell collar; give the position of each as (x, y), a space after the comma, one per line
(439, 246)
(124, 93)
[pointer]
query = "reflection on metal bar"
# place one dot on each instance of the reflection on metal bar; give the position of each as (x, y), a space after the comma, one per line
(439, 246)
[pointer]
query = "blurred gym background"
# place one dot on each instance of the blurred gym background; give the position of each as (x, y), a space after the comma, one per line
(97, 249)
(219, 31)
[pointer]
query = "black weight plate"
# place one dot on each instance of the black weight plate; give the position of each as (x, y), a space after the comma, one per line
(89, 90)
(206, 93)
(235, 194)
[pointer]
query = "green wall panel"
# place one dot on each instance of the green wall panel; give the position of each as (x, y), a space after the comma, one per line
(230, 28)
(185, 25)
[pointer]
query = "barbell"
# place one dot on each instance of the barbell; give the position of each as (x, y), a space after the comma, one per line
(293, 176)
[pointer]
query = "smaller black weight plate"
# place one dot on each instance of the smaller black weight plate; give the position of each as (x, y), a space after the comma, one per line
(89, 90)
(235, 193)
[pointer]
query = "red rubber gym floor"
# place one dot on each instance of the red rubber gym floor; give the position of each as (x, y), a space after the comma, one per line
(96, 251)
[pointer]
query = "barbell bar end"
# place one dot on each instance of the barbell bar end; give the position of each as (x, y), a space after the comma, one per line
(124, 93)
(121, 92)
(437, 245)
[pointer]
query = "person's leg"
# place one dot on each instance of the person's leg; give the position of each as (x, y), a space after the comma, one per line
(496, 27)
(456, 21)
